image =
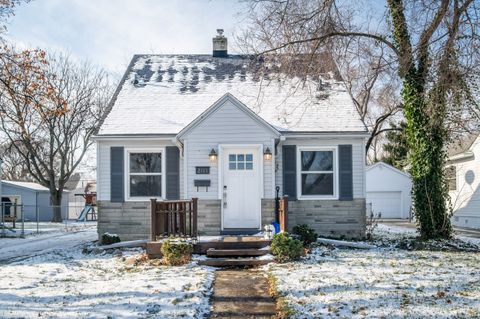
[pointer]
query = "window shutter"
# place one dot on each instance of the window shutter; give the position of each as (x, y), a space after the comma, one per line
(345, 172)
(289, 157)
(117, 193)
(172, 172)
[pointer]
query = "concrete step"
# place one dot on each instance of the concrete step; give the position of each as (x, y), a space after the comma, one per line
(212, 252)
(202, 246)
(233, 262)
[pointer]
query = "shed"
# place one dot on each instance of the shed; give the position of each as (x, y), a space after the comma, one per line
(33, 197)
(389, 191)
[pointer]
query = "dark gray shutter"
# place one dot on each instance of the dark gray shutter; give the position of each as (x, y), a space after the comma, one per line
(345, 172)
(173, 172)
(116, 175)
(289, 156)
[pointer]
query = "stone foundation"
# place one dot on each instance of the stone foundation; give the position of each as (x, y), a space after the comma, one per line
(331, 218)
(131, 220)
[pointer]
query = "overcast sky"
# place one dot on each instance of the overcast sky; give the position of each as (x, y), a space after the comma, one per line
(109, 32)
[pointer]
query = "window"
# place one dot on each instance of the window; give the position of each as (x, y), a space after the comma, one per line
(240, 162)
(317, 172)
(144, 174)
(451, 176)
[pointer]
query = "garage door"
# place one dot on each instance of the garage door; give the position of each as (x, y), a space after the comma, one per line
(388, 203)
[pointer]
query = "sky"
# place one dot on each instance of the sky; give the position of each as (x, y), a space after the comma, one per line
(108, 32)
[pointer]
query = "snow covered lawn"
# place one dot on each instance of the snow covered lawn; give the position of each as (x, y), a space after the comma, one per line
(382, 283)
(65, 283)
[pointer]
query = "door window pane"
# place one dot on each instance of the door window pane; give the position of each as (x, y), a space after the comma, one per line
(145, 185)
(240, 161)
(317, 184)
(317, 160)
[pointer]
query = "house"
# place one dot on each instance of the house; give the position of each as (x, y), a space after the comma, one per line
(206, 126)
(33, 198)
(463, 172)
(389, 191)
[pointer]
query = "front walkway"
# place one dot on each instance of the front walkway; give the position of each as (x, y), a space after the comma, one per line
(241, 294)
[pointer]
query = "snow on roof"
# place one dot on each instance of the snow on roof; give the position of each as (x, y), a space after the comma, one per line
(30, 185)
(462, 144)
(161, 94)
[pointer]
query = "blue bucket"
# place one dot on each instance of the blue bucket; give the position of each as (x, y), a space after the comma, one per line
(276, 226)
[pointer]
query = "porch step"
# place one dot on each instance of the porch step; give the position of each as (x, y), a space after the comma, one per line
(228, 243)
(233, 262)
(212, 252)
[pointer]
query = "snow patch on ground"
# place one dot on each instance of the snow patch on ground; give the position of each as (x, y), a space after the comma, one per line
(381, 283)
(65, 283)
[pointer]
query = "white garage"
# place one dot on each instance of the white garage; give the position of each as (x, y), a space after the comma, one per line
(389, 191)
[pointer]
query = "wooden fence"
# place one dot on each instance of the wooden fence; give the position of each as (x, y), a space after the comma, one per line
(283, 213)
(173, 218)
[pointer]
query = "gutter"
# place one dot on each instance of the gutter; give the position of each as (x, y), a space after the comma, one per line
(134, 137)
(462, 156)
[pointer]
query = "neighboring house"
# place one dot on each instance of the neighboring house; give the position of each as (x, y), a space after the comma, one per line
(33, 197)
(171, 112)
(463, 174)
(389, 191)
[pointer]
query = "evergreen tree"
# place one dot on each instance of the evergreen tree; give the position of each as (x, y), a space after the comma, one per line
(396, 148)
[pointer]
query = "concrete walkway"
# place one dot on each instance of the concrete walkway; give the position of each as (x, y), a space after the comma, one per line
(241, 294)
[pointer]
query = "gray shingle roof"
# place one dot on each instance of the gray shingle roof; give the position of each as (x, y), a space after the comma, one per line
(161, 94)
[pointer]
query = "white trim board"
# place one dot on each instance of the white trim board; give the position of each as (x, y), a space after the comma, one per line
(126, 171)
(336, 163)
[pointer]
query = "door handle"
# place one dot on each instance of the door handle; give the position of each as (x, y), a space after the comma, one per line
(224, 196)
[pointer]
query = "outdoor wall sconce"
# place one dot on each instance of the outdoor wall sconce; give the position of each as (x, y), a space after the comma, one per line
(213, 155)
(267, 155)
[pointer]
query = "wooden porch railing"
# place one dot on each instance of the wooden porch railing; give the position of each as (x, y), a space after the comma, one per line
(283, 213)
(173, 218)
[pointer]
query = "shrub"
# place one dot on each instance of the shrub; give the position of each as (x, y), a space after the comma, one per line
(108, 239)
(176, 252)
(305, 233)
(286, 248)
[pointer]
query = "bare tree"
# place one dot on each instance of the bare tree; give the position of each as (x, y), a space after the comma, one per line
(13, 167)
(433, 47)
(49, 109)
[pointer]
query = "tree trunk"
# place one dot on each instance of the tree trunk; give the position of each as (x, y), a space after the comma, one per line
(426, 137)
(56, 202)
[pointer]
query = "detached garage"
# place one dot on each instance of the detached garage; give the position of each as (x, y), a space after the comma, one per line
(389, 191)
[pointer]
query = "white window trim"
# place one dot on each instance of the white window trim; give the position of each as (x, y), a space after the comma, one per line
(127, 173)
(334, 149)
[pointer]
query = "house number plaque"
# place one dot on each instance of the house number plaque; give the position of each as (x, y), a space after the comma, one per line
(202, 170)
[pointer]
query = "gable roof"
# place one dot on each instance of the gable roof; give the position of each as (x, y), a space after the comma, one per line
(390, 167)
(218, 104)
(162, 94)
(462, 145)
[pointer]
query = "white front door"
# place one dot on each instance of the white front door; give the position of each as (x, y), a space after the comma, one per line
(241, 192)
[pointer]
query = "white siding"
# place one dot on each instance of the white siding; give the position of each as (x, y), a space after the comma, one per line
(227, 125)
(466, 198)
(358, 159)
(103, 162)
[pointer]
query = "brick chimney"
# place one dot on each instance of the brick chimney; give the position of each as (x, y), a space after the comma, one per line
(220, 45)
